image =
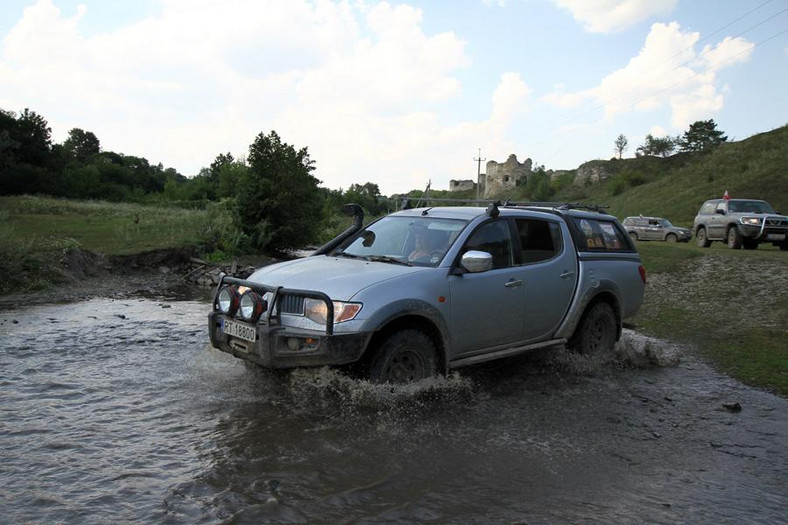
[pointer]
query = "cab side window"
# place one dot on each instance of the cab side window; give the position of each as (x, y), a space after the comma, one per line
(494, 238)
(708, 208)
(539, 240)
(599, 235)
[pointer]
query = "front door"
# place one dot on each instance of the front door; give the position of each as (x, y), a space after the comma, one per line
(487, 307)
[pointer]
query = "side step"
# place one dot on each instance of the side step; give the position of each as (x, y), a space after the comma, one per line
(507, 352)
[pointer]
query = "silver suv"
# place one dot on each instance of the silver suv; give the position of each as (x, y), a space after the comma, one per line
(422, 291)
(741, 223)
(655, 229)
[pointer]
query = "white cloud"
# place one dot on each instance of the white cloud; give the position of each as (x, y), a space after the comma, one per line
(354, 82)
(605, 16)
(657, 131)
(666, 72)
(729, 51)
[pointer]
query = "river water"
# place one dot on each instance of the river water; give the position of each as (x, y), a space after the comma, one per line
(119, 411)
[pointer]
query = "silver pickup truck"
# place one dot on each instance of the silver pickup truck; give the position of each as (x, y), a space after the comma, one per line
(425, 290)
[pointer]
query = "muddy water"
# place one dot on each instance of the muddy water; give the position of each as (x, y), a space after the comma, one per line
(117, 411)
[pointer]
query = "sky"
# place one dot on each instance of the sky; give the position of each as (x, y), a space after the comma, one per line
(397, 94)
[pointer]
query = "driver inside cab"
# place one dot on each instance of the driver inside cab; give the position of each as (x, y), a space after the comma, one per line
(427, 245)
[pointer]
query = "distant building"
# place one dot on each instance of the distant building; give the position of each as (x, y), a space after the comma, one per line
(504, 177)
(461, 185)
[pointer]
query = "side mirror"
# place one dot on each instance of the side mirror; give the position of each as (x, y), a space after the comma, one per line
(719, 211)
(475, 261)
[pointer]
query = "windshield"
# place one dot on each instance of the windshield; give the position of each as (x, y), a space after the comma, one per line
(749, 207)
(665, 223)
(415, 241)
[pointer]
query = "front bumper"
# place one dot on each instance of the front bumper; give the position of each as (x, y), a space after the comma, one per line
(764, 233)
(279, 346)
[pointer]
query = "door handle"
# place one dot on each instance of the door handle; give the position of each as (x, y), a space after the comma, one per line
(566, 274)
(513, 282)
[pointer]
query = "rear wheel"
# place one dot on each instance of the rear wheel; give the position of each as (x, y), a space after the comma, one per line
(596, 332)
(671, 237)
(405, 356)
(734, 238)
(701, 239)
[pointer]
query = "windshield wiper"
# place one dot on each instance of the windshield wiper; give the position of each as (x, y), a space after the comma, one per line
(388, 259)
(350, 255)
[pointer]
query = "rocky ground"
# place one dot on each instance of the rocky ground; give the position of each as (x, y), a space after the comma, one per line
(81, 275)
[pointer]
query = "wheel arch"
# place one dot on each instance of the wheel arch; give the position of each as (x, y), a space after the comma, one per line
(570, 325)
(610, 298)
(408, 320)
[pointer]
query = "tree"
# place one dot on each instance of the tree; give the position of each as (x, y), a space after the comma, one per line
(278, 200)
(621, 144)
(662, 147)
(34, 137)
(701, 136)
(82, 145)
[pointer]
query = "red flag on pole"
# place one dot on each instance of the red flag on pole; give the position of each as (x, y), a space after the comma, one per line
(726, 196)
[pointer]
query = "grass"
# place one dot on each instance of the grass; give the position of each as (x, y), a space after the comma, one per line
(35, 232)
(730, 304)
(111, 228)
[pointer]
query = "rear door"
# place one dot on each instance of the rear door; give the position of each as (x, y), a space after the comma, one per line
(549, 264)
(487, 307)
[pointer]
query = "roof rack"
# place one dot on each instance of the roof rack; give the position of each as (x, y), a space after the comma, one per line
(495, 203)
(560, 206)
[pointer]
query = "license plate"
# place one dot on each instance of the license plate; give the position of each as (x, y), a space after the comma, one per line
(775, 237)
(240, 330)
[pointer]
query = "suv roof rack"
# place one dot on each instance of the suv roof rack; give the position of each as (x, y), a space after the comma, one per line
(493, 204)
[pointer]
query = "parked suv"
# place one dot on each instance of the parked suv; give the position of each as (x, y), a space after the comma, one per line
(655, 229)
(741, 223)
(422, 291)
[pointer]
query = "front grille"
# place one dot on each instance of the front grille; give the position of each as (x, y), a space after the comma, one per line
(291, 304)
(776, 222)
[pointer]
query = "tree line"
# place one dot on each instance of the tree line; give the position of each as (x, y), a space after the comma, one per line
(702, 135)
(271, 195)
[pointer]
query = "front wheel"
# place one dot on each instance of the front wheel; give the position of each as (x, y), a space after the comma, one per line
(701, 239)
(734, 238)
(405, 356)
(671, 237)
(596, 332)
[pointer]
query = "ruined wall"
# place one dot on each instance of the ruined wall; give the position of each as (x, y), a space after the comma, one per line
(461, 185)
(591, 173)
(503, 177)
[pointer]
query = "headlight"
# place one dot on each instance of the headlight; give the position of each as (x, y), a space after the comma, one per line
(316, 310)
(228, 300)
(252, 306)
(751, 220)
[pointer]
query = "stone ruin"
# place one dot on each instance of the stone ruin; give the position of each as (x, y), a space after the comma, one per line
(499, 178)
(503, 177)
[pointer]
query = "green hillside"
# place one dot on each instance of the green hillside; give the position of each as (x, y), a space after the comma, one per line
(676, 186)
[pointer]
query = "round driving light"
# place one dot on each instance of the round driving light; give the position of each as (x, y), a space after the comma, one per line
(228, 300)
(252, 307)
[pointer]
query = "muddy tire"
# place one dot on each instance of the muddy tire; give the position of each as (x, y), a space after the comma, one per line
(596, 333)
(633, 236)
(734, 238)
(784, 247)
(671, 237)
(701, 239)
(404, 356)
